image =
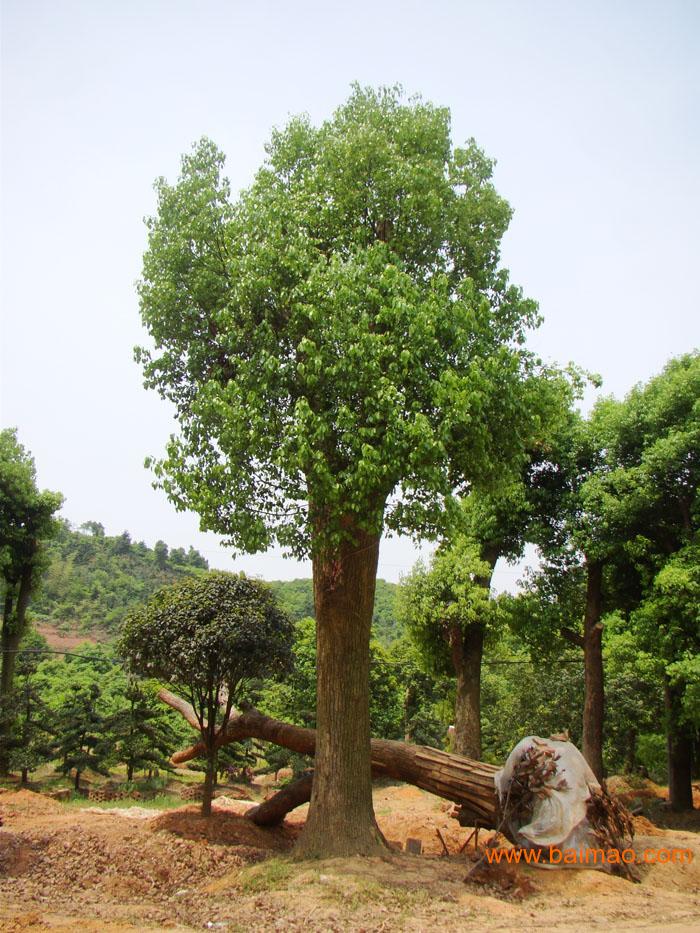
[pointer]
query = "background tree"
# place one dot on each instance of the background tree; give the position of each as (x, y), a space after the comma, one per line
(654, 443)
(208, 638)
(426, 700)
(26, 521)
(578, 544)
(668, 622)
(446, 609)
(138, 734)
(160, 554)
(343, 352)
(79, 729)
(28, 736)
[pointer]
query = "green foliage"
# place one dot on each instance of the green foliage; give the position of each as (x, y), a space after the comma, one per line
(26, 522)
(208, 634)
(26, 515)
(448, 596)
(427, 701)
(138, 733)
(211, 638)
(79, 727)
(339, 333)
(652, 755)
(667, 623)
(129, 724)
(520, 699)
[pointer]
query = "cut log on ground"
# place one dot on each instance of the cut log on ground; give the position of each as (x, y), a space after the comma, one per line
(464, 781)
(533, 772)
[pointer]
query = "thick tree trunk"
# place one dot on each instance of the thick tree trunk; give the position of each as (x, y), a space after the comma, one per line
(209, 782)
(467, 651)
(25, 777)
(130, 772)
(462, 780)
(679, 744)
(594, 691)
(467, 648)
(77, 780)
(13, 625)
(341, 818)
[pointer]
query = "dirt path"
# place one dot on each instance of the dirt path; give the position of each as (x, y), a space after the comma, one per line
(65, 869)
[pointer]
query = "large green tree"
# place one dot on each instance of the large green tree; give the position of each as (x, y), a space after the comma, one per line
(579, 544)
(26, 521)
(344, 353)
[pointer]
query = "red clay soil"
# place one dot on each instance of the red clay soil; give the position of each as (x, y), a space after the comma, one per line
(66, 869)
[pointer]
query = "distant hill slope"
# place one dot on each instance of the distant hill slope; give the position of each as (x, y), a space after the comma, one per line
(92, 580)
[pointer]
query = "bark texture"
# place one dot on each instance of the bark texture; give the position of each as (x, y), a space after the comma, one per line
(594, 695)
(467, 649)
(341, 817)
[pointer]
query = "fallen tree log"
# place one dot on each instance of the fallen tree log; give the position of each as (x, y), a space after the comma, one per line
(532, 773)
(273, 811)
(464, 781)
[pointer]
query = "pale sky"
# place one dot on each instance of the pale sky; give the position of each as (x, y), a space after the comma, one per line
(590, 108)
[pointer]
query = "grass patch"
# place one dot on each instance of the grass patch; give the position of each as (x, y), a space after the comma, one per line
(356, 891)
(159, 802)
(265, 876)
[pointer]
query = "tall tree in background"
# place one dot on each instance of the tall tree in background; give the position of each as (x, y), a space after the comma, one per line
(653, 441)
(344, 354)
(446, 609)
(577, 542)
(26, 521)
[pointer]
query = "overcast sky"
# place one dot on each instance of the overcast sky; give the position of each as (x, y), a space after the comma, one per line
(590, 108)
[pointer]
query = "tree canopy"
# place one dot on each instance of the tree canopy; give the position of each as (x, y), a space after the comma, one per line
(209, 637)
(340, 333)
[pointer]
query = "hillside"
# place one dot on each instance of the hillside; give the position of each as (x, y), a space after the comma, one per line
(93, 579)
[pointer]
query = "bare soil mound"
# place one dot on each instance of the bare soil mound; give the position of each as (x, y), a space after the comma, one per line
(22, 801)
(226, 828)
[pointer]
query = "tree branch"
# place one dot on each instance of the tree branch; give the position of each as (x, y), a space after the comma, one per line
(572, 637)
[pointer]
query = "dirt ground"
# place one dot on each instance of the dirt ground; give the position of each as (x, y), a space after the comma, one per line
(115, 870)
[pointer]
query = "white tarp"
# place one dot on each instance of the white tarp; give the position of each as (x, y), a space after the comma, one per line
(558, 819)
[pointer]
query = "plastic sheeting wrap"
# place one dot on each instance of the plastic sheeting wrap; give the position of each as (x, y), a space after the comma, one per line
(557, 816)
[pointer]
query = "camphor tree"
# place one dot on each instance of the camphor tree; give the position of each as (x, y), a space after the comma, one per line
(344, 354)
(208, 637)
(579, 546)
(26, 521)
